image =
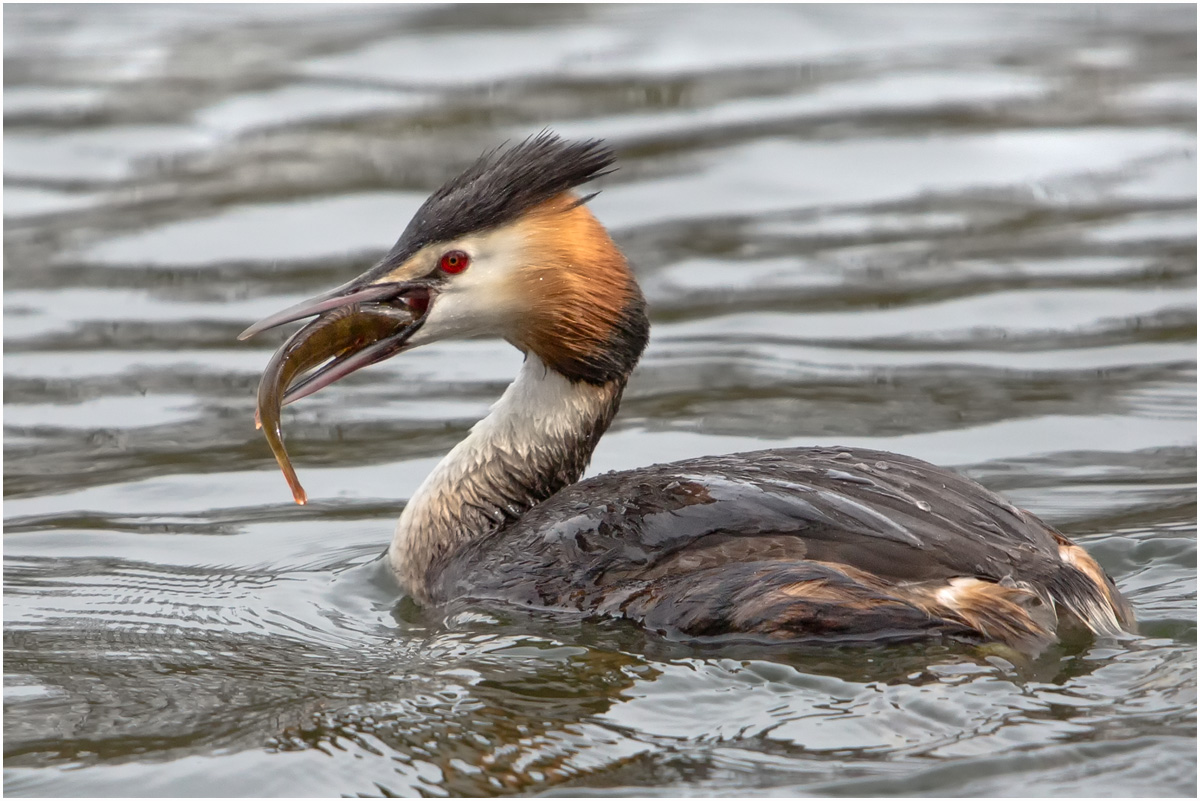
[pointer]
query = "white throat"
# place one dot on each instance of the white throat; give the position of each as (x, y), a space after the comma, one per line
(536, 439)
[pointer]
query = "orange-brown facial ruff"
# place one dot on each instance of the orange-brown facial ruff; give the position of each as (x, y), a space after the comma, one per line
(586, 315)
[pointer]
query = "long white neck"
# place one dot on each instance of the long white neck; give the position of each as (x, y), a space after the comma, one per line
(536, 440)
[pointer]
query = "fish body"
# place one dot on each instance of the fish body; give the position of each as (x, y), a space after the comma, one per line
(335, 334)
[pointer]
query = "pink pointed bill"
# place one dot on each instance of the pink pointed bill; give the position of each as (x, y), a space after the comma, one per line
(342, 296)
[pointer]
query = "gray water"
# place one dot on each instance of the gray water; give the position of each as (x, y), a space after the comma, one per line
(962, 233)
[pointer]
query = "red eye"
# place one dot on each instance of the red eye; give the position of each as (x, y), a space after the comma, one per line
(454, 261)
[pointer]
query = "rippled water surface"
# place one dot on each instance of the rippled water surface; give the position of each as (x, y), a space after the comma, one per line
(963, 233)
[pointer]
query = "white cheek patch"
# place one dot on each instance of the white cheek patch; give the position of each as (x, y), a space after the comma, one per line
(484, 300)
(455, 315)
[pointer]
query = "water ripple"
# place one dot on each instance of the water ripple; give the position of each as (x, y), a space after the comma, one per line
(966, 233)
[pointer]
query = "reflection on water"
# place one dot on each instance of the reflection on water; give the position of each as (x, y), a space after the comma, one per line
(963, 233)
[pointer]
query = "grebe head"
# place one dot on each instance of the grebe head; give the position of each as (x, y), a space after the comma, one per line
(504, 249)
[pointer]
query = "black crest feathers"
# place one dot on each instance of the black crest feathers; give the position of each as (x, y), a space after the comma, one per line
(500, 186)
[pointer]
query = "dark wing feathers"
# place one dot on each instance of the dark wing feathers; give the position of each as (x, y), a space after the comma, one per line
(697, 546)
(781, 601)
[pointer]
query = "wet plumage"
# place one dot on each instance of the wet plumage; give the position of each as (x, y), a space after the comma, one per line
(802, 543)
(783, 545)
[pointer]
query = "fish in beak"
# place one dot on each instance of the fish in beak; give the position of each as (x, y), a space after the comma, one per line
(356, 327)
(503, 249)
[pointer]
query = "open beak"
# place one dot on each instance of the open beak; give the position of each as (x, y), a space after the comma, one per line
(344, 295)
(357, 326)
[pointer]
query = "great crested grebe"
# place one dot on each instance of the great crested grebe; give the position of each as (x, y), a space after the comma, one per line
(795, 544)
